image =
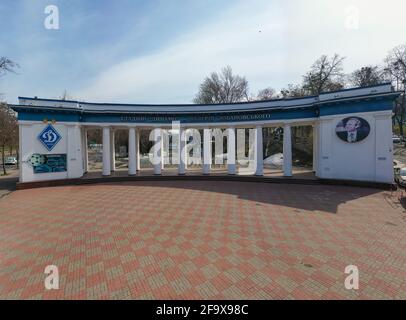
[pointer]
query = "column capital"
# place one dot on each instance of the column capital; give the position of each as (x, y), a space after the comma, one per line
(25, 124)
(72, 124)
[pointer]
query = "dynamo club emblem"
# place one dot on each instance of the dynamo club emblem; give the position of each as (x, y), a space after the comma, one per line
(49, 137)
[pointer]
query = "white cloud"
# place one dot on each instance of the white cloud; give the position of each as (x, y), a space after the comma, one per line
(244, 39)
(272, 43)
(320, 28)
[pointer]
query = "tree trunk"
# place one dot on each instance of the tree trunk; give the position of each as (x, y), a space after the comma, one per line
(402, 112)
(3, 160)
(400, 122)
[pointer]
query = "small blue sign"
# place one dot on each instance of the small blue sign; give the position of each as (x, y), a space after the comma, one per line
(49, 137)
(48, 163)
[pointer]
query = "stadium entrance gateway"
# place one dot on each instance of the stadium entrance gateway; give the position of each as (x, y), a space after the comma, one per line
(352, 133)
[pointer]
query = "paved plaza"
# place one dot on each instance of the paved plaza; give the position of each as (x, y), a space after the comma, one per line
(202, 240)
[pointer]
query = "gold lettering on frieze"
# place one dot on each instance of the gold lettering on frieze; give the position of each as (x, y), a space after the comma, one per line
(208, 118)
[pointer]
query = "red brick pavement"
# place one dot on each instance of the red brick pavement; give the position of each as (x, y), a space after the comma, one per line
(209, 240)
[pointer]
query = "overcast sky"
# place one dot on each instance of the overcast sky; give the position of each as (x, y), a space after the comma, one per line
(158, 51)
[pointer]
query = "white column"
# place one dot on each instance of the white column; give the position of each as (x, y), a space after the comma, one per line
(137, 149)
(112, 151)
(20, 153)
(186, 150)
(231, 151)
(287, 151)
(74, 157)
(163, 148)
(206, 151)
(182, 151)
(106, 151)
(157, 151)
(26, 148)
(259, 153)
(383, 149)
(315, 148)
(85, 150)
(132, 154)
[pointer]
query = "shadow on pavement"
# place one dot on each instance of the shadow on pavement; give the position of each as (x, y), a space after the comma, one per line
(301, 197)
(7, 185)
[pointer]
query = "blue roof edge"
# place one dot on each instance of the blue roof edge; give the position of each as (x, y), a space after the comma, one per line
(208, 104)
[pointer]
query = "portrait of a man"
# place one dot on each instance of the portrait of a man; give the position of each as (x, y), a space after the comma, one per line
(352, 129)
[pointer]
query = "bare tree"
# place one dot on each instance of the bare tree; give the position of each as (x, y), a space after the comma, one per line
(8, 131)
(3, 135)
(7, 65)
(8, 121)
(66, 96)
(266, 94)
(396, 70)
(293, 91)
(224, 87)
(367, 76)
(14, 140)
(325, 75)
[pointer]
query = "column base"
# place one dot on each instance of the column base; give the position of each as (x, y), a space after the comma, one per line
(231, 169)
(206, 169)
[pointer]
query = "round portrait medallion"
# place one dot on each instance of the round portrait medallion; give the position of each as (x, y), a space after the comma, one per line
(353, 129)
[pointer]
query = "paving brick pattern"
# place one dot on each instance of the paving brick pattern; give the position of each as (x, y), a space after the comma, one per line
(202, 240)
